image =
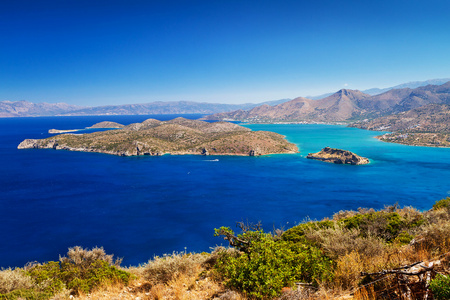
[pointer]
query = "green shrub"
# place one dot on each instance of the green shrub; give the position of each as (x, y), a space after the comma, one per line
(441, 204)
(29, 294)
(403, 238)
(96, 274)
(382, 224)
(47, 277)
(297, 233)
(82, 271)
(271, 265)
(440, 286)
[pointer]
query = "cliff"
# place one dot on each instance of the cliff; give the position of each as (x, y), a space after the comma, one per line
(178, 136)
(338, 156)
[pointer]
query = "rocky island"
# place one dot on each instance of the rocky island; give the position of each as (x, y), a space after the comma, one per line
(177, 136)
(338, 156)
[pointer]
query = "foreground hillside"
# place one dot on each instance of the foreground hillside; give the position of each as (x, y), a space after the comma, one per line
(178, 136)
(394, 253)
(428, 125)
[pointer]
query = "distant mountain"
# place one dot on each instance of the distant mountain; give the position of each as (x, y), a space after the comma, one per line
(344, 105)
(28, 109)
(160, 107)
(377, 91)
(337, 107)
(411, 85)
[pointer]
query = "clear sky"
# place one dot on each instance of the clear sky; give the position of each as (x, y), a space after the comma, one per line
(232, 51)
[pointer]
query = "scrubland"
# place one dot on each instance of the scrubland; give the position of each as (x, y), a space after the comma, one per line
(393, 253)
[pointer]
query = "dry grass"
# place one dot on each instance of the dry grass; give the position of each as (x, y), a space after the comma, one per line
(164, 269)
(339, 241)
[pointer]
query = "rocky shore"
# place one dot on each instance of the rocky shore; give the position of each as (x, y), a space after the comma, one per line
(338, 156)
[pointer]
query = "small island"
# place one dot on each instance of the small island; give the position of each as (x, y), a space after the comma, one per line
(101, 125)
(338, 156)
(177, 136)
(106, 124)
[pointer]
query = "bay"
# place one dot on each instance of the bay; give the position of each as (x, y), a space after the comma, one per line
(138, 207)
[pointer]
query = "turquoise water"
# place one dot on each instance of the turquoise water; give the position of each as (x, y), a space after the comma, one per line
(137, 207)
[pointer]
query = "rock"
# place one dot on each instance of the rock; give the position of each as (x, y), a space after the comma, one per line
(205, 151)
(338, 156)
(254, 152)
(38, 144)
(28, 144)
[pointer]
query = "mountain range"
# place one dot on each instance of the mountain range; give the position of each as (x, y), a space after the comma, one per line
(343, 106)
(28, 109)
(376, 91)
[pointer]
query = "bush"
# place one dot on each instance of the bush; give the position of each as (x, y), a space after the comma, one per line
(271, 265)
(297, 233)
(434, 237)
(163, 269)
(81, 272)
(83, 258)
(441, 204)
(440, 286)
(348, 269)
(16, 279)
(339, 241)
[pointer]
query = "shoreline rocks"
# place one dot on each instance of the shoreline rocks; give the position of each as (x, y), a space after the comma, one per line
(338, 156)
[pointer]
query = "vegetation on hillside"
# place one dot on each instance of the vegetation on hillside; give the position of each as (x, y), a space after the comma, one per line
(428, 125)
(177, 136)
(393, 253)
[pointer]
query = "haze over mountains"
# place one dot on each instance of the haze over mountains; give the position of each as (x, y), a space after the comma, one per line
(343, 106)
(28, 109)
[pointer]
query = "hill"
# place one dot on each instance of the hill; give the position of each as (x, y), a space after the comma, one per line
(178, 136)
(428, 125)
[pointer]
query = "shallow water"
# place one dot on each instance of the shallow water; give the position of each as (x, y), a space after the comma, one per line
(137, 207)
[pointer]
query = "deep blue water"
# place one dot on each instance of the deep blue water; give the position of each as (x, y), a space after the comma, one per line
(137, 207)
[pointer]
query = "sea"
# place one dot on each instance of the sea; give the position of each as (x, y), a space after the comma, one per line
(141, 207)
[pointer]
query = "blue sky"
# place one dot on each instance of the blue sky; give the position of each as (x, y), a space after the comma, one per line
(117, 52)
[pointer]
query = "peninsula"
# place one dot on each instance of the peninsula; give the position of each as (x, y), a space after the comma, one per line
(428, 125)
(338, 156)
(177, 136)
